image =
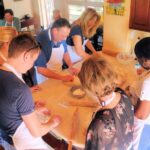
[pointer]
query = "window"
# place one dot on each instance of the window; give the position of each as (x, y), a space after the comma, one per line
(76, 7)
(46, 8)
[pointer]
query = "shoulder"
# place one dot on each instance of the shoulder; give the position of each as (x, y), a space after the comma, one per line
(2, 22)
(76, 30)
(43, 36)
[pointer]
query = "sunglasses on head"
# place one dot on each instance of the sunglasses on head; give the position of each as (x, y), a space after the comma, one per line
(34, 47)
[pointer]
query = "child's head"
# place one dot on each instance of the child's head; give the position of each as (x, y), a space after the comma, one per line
(142, 51)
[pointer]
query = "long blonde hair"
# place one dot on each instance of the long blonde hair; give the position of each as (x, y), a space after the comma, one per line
(6, 34)
(98, 77)
(86, 16)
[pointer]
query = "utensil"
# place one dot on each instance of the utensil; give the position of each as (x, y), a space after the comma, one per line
(74, 127)
(80, 104)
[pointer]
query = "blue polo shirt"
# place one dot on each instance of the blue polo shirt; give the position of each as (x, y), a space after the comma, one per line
(44, 38)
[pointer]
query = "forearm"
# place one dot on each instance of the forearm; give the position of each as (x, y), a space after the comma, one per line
(49, 73)
(68, 60)
(36, 128)
(143, 110)
(90, 46)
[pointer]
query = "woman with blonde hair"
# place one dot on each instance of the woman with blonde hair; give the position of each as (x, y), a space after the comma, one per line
(112, 125)
(6, 34)
(82, 29)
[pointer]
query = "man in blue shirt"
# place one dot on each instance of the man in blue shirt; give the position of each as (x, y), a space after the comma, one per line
(54, 52)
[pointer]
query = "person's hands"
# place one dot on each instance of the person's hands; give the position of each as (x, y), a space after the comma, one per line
(74, 71)
(55, 121)
(39, 104)
(96, 54)
(67, 78)
(35, 88)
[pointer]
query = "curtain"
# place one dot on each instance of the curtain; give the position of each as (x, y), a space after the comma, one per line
(46, 8)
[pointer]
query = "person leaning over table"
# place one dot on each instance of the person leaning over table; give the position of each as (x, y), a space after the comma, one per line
(17, 113)
(142, 109)
(82, 29)
(54, 52)
(112, 126)
(6, 34)
(10, 20)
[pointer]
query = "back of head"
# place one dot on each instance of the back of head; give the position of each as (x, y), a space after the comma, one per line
(86, 16)
(9, 11)
(98, 77)
(62, 22)
(142, 48)
(22, 43)
(6, 34)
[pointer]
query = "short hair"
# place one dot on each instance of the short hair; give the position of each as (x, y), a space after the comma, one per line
(6, 34)
(86, 16)
(142, 48)
(61, 22)
(98, 77)
(9, 11)
(22, 43)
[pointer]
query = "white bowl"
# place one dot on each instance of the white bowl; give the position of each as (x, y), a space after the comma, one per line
(125, 58)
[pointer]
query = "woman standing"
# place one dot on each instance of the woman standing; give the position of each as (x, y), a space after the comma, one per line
(82, 29)
(111, 127)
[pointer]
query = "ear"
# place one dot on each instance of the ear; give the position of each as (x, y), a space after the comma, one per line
(55, 31)
(26, 56)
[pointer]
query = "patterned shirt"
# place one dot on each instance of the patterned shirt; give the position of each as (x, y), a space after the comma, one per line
(112, 129)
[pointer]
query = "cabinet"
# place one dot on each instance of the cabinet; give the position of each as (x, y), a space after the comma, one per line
(140, 15)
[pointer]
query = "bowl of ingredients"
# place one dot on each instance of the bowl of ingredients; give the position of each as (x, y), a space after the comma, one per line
(77, 92)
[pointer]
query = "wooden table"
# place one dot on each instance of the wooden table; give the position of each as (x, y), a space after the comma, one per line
(56, 93)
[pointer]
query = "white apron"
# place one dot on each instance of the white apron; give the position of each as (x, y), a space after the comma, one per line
(56, 60)
(55, 63)
(73, 54)
(23, 140)
(39, 77)
(138, 123)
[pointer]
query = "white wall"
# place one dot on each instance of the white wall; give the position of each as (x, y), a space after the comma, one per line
(19, 7)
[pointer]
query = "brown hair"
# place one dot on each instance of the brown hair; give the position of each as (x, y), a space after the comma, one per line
(86, 16)
(98, 77)
(22, 43)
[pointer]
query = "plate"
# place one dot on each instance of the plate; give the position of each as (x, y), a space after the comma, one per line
(77, 92)
(125, 58)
